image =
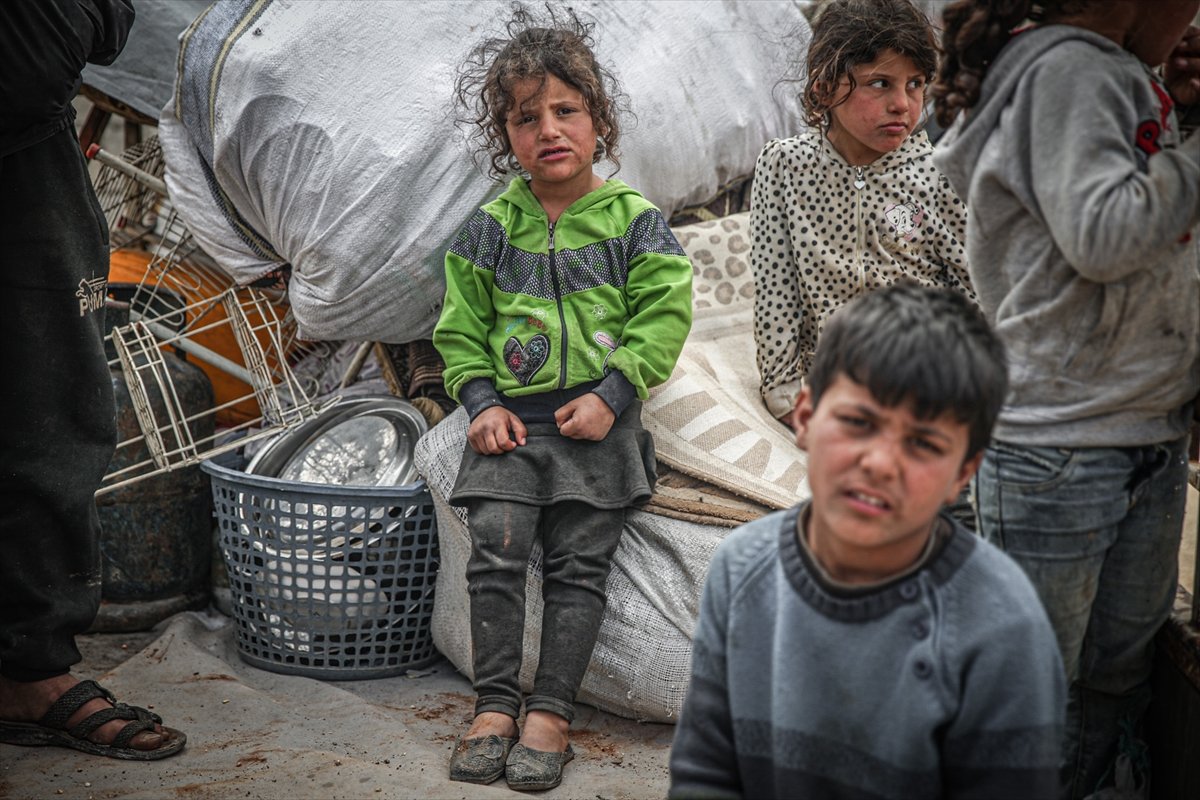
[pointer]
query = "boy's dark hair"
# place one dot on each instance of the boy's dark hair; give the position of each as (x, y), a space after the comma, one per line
(911, 344)
(849, 33)
(974, 33)
(555, 43)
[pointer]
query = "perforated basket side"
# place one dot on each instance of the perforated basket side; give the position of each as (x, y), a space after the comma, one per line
(331, 582)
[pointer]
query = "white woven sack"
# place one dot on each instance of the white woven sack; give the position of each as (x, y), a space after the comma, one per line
(318, 135)
(640, 667)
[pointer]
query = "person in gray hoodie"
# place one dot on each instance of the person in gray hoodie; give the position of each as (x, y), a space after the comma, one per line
(1082, 192)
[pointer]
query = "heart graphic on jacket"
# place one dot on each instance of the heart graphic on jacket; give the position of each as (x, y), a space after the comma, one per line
(524, 362)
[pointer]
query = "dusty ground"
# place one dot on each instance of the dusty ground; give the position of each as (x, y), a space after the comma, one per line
(256, 734)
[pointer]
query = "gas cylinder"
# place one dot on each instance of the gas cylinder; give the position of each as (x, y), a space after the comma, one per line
(156, 533)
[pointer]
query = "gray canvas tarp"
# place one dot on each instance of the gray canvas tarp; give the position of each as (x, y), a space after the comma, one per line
(144, 75)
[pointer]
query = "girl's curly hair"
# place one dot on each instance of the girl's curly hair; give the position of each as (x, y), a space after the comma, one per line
(849, 33)
(556, 43)
(974, 33)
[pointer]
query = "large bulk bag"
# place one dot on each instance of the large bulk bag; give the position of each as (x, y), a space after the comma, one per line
(320, 135)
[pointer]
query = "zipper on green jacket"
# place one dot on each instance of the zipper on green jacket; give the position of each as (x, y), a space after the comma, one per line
(562, 320)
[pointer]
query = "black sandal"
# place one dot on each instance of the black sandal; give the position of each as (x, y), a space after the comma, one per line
(51, 730)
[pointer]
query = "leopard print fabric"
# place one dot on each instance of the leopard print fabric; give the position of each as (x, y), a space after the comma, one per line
(720, 251)
(707, 419)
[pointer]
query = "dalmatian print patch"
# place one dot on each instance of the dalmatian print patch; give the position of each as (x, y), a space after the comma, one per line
(905, 219)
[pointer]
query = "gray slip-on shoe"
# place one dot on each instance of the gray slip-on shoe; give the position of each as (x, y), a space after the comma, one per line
(532, 770)
(480, 760)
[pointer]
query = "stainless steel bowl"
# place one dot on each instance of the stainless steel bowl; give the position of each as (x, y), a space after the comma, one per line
(362, 441)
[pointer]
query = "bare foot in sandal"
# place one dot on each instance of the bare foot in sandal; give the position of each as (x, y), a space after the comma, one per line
(34, 715)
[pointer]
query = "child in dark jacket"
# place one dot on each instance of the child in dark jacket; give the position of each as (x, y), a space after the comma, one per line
(862, 644)
(567, 298)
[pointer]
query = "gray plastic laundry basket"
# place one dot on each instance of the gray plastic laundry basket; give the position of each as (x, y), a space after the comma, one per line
(330, 582)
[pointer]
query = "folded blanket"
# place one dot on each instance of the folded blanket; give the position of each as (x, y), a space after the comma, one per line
(708, 419)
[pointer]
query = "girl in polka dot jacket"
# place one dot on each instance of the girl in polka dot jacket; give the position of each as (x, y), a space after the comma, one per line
(854, 202)
(567, 297)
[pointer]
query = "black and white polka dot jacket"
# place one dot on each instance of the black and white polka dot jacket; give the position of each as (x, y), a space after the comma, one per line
(824, 231)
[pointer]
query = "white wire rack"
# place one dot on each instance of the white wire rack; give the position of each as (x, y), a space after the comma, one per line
(130, 190)
(244, 338)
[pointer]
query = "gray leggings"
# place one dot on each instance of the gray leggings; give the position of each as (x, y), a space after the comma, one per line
(578, 541)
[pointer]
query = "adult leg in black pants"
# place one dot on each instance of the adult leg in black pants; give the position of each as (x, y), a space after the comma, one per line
(57, 434)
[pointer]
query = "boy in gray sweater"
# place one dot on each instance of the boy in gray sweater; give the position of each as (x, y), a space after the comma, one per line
(862, 644)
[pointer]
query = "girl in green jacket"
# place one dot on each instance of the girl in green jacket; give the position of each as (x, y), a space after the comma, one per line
(567, 298)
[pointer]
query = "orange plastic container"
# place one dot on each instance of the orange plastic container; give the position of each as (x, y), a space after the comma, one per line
(129, 266)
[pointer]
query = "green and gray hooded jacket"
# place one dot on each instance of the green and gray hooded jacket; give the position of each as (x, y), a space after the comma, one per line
(602, 296)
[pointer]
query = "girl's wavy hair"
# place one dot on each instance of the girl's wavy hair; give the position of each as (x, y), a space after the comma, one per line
(974, 32)
(849, 33)
(557, 43)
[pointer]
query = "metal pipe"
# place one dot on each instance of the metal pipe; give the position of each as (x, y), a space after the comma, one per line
(198, 350)
(356, 364)
(121, 165)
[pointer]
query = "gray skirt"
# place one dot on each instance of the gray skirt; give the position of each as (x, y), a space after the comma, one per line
(549, 468)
